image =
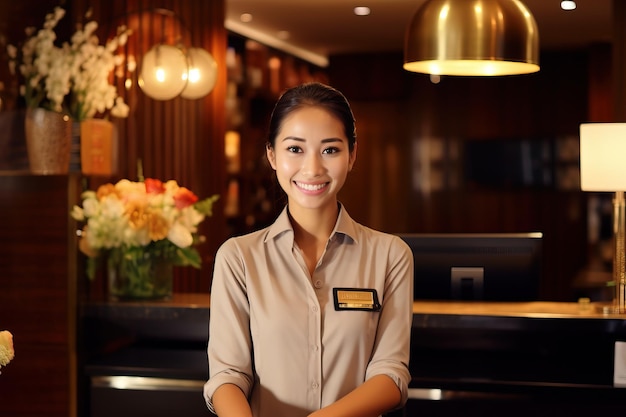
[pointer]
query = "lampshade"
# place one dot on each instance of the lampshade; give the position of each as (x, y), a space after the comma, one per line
(602, 150)
(163, 72)
(202, 73)
(472, 37)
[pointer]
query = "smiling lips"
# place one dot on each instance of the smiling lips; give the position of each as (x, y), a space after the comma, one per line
(311, 187)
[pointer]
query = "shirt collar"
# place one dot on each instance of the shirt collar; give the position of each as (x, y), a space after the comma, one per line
(344, 225)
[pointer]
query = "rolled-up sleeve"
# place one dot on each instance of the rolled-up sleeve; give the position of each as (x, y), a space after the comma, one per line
(229, 345)
(393, 339)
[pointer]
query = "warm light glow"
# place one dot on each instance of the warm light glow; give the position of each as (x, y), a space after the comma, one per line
(202, 74)
(159, 74)
(602, 150)
(568, 5)
(362, 11)
(163, 72)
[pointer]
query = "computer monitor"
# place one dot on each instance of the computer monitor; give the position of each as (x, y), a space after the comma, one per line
(487, 267)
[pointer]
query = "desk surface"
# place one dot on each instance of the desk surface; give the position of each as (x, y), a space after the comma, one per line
(537, 309)
(198, 304)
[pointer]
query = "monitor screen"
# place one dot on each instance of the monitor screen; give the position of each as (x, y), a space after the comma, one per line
(487, 267)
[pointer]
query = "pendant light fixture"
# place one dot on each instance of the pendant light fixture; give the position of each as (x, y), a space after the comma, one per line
(163, 73)
(201, 74)
(472, 38)
(169, 71)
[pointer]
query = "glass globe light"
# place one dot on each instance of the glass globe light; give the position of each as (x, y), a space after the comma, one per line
(202, 74)
(163, 72)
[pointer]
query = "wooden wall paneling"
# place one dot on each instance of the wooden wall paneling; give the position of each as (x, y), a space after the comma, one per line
(36, 302)
(433, 122)
(176, 139)
(600, 82)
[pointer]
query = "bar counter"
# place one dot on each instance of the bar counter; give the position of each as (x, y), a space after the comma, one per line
(199, 304)
(531, 352)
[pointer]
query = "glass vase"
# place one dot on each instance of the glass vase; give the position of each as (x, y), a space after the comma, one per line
(144, 277)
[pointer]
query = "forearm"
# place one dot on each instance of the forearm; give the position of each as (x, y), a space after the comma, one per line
(230, 401)
(373, 398)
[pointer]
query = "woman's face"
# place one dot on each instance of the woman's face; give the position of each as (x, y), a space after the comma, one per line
(311, 157)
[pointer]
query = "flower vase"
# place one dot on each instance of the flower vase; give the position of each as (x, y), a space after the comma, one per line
(144, 277)
(48, 138)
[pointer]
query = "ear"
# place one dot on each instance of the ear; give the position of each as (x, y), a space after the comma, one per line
(271, 156)
(352, 157)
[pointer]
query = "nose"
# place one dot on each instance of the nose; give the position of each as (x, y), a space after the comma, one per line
(313, 165)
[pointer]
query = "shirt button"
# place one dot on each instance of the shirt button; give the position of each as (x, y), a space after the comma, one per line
(318, 284)
(315, 385)
(314, 309)
(314, 348)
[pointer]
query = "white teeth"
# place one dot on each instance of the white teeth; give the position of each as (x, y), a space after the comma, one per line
(311, 187)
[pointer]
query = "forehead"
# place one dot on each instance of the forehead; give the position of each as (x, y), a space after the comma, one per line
(312, 121)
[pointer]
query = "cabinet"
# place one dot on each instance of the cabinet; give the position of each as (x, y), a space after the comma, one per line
(38, 294)
(146, 358)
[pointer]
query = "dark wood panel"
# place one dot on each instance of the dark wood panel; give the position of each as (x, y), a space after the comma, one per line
(34, 299)
(411, 160)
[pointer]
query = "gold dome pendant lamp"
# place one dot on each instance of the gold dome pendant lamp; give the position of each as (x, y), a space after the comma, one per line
(472, 38)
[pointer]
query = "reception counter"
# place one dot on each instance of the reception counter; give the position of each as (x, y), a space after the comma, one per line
(492, 356)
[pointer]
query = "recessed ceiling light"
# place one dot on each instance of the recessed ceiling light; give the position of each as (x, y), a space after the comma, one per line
(361, 11)
(246, 17)
(568, 5)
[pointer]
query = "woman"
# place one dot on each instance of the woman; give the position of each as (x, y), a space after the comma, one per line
(312, 315)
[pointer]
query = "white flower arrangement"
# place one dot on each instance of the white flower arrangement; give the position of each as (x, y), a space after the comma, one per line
(73, 77)
(7, 352)
(130, 219)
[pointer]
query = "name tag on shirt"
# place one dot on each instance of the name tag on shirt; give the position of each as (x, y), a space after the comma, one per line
(364, 299)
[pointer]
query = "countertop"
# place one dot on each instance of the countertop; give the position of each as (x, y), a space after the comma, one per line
(197, 305)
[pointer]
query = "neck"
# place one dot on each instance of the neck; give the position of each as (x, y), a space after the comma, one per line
(315, 224)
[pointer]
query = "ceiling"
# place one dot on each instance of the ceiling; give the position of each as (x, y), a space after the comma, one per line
(319, 28)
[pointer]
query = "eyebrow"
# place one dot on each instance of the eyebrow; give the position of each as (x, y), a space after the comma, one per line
(297, 139)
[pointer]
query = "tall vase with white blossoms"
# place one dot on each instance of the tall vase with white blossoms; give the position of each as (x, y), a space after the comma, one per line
(64, 84)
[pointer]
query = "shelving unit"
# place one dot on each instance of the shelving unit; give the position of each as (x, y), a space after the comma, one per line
(257, 75)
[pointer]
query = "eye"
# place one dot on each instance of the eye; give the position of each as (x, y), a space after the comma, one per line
(330, 150)
(294, 149)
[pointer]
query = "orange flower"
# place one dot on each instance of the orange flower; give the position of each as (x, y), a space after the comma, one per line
(158, 227)
(105, 190)
(137, 215)
(184, 197)
(154, 186)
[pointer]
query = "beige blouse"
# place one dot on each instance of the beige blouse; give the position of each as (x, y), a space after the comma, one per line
(290, 342)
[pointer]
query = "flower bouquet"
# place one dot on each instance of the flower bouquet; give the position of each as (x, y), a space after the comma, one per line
(142, 229)
(7, 353)
(71, 78)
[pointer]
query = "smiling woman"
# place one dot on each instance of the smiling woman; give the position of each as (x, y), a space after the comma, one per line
(347, 328)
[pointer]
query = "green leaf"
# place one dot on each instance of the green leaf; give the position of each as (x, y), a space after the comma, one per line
(188, 257)
(206, 206)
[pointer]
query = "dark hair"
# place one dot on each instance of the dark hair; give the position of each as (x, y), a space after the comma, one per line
(312, 94)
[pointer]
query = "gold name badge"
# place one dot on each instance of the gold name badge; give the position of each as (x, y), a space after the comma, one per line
(356, 299)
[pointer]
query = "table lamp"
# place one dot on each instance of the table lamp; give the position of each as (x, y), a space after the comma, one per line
(602, 169)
